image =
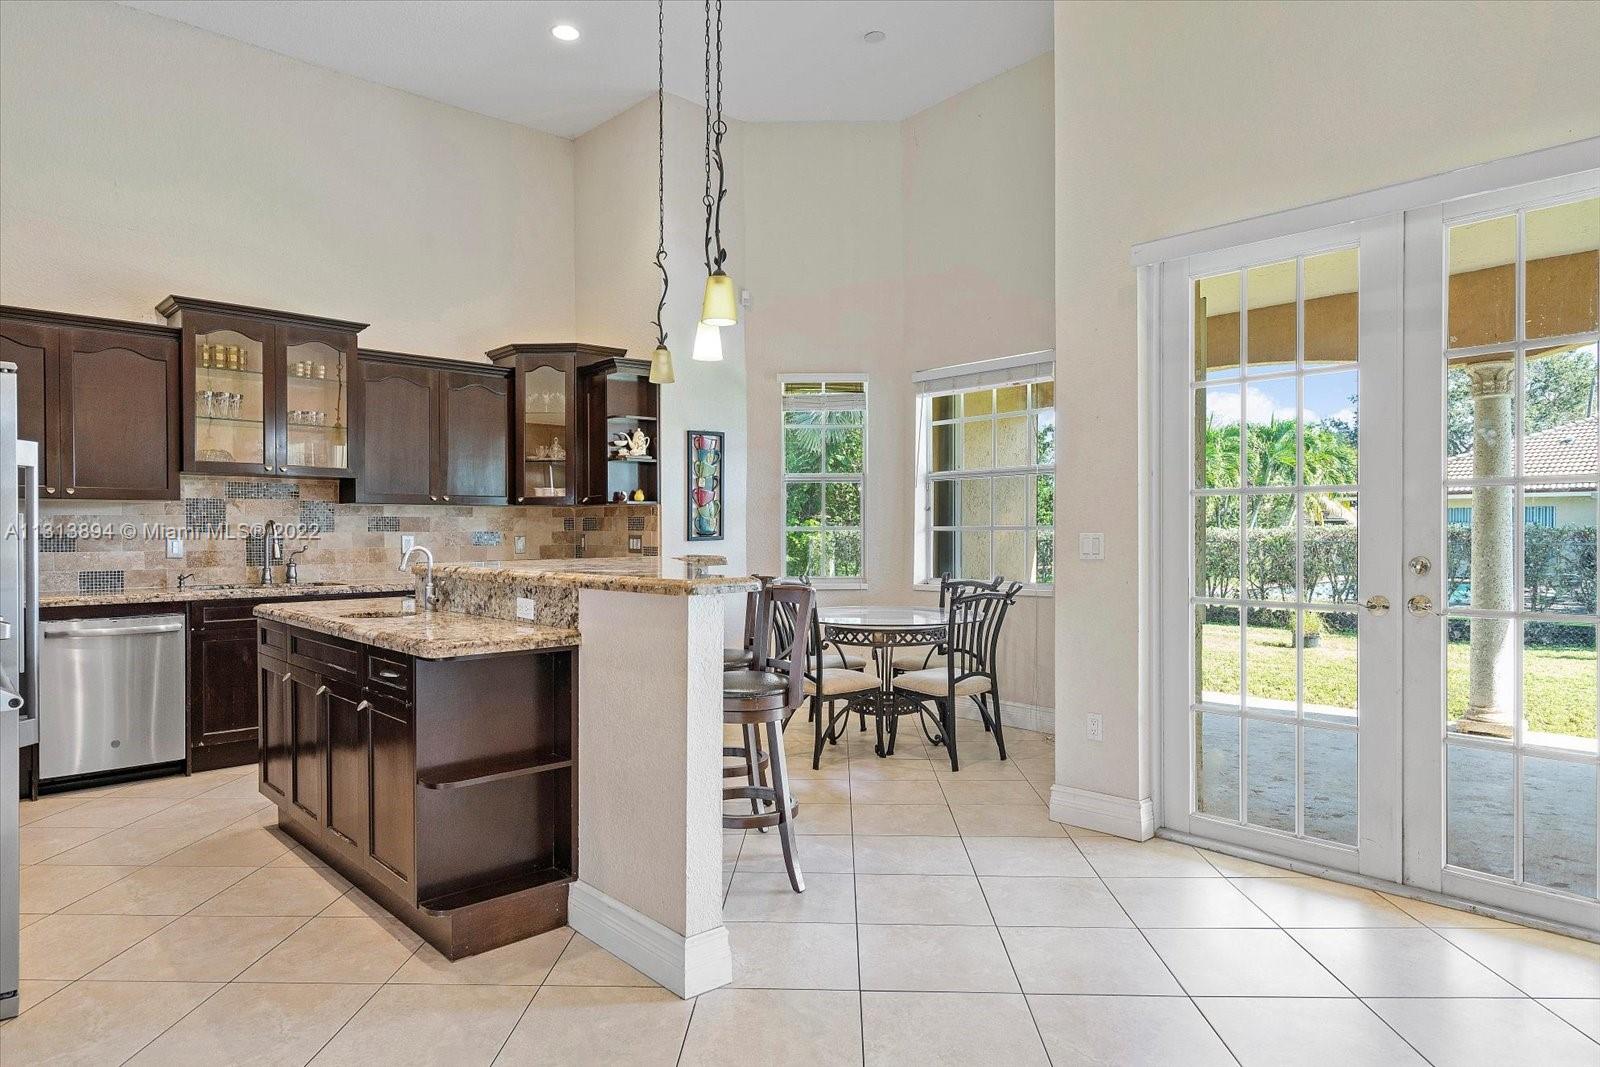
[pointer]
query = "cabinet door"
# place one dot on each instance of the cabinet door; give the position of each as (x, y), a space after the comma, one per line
(546, 447)
(273, 679)
(393, 793)
(474, 437)
(349, 755)
(33, 349)
(222, 683)
(228, 394)
(396, 434)
(306, 711)
(118, 427)
(318, 403)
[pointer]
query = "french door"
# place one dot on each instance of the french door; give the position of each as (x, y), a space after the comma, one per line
(1378, 558)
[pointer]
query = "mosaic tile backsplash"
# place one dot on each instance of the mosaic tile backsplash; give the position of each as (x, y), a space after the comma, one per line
(107, 546)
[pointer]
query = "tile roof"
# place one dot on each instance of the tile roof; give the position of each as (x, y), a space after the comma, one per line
(1566, 449)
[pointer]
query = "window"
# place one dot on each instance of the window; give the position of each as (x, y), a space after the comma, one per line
(987, 461)
(824, 469)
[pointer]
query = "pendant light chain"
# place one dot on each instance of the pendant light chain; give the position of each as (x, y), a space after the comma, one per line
(661, 169)
(706, 200)
(718, 129)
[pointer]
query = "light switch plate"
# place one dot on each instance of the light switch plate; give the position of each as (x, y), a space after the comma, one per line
(522, 543)
(1096, 729)
(525, 607)
(174, 548)
(635, 544)
(1091, 546)
(407, 542)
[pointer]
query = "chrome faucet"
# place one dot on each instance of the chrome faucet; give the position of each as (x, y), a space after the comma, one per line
(271, 550)
(424, 584)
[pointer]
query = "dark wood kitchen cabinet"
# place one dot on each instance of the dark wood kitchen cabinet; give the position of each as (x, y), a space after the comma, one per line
(617, 396)
(101, 399)
(435, 431)
(267, 392)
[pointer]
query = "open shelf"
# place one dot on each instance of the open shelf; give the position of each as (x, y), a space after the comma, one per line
(520, 881)
(631, 459)
(492, 769)
(630, 418)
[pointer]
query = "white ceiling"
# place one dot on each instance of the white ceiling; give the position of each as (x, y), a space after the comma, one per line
(784, 60)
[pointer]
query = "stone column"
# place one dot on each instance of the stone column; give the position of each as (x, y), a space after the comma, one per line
(1494, 536)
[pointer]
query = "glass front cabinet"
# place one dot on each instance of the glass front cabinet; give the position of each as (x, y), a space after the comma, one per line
(266, 392)
(546, 441)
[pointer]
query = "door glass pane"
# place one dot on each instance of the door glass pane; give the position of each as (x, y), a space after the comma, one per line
(1332, 311)
(1217, 656)
(1330, 547)
(1269, 668)
(1270, 548)
(1482, 292)
(1480, 818)
(230, 398)
(1272, 411)
(1559, 685)
(1216, 331)
(1271, 327)
(1217, 451)
(1558, 824)
(1558, 550)
(547, 439)
(318, 406)
(1331, 417)
(1270, 771)
(1216, 765)
(1330, 680)
(1217, 547)
(1331, 778)
(1481, 420)
(1560, 245)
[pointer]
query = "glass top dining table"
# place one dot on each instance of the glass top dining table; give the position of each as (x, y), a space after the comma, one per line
(881, 628)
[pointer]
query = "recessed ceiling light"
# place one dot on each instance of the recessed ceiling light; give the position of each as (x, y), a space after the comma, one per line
(873, 36)
(564, 32)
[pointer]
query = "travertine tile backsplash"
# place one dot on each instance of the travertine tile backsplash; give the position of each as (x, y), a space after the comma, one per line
(106, 546)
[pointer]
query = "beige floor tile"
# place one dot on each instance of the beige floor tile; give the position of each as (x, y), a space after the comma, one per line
(66, 947)
(1113, 1031)
(1243, 963)
(1583, 1014)
(1444, 918)
(243, 788)
(298, 856)
(1115, 962)
(738, 1027)
(31, 811)
(205, 812)
(1041, 767)
(595, 1026)
(108, 813)
(447, 1026)
(584, 963)
(1185, 902)
(1283, 1030)
(175, 787)
(46, 888)
(907, 792)
(40, 843)
(823, 819)
(31, 992)
(902, 1028)
(911, 855)
(753, 897)
(1233, 867)
(822, 790)
(958, 790)
(1394, 963)
(235, 846)
(1005, 820)
(977, 765)
(262, 1024)
(1028, 857)
(93, 1024)
(924, 899)
(1079, 902)
(278, 891)
(1114, 857)
(28, 920)
(955, 959)
(835, 765)
(157, 890)
(794, 955)
(355, 904)
(1023, 748)
(1474, 1033)
(872, 769)
(1317, 902)
(525, 962)
(1538, 963)
(817, 853)
(356, 951)
(904, 820)
(199, 948)
(130, 845)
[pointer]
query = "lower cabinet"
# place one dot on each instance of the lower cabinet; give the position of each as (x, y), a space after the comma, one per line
(349, 737)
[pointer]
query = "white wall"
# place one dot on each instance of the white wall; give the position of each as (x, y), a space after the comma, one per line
(141, 157)
(1171, 117)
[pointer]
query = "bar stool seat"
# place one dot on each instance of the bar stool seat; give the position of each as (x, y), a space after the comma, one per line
(734, 659)
(746, 684)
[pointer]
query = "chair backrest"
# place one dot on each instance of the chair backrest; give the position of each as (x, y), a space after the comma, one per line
(792, 608)
(973, 632)
(949, 587)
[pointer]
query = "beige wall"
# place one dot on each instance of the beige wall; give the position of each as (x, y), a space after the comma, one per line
(887, 248)
(141, 157)
(1172, 117)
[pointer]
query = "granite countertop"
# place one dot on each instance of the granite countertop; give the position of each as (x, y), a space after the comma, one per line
(174, 595)
(629, 574)
(427, 634)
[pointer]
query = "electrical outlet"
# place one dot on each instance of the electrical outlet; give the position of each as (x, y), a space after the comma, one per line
(522, 544)
(525, 607)
(174, 548)
(407, 543)
(1091, 546)
(1096, 729)
(635, 544)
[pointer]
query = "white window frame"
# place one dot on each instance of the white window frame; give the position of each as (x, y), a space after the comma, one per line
(788, 478)
(1024, 370)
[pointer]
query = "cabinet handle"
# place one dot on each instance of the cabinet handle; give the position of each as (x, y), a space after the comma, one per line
(321, 689)
(520, 499)
(446, 499)
(74, 489)
(390, 675)
(269, 468)
(433, 498)
(49, 488)
(365, 705)
(283, 470)
(287, 675)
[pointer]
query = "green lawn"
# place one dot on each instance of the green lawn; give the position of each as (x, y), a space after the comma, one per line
(1559, 684)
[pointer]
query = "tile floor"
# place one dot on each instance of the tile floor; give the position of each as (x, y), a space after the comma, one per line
(947, 921)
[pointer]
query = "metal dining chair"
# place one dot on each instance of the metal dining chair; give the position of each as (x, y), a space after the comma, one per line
(826, 685)
(971, 646)
(921, 657)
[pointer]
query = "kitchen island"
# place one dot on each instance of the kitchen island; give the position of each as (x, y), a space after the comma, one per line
(492, 676)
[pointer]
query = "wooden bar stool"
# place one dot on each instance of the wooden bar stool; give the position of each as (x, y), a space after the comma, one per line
(765, 696)
(743, 658)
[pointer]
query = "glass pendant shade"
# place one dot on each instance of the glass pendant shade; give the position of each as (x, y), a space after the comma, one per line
(707, 343)
(721, 305)
(661, 366)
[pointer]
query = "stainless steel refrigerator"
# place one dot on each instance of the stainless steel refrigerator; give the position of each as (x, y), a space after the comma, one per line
(19, 644)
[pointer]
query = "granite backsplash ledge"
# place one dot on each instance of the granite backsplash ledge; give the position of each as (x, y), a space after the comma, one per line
(107, 546)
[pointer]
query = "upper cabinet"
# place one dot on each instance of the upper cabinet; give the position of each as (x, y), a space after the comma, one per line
(618, 398)
(435, 431)
(267, 392)
(100, 398)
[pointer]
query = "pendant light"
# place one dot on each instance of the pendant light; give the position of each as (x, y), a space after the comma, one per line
(661, 359)
(707, 343)
(721, 304)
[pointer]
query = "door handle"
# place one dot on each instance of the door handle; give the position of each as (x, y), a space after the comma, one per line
(1378, 605)
(1421, 606)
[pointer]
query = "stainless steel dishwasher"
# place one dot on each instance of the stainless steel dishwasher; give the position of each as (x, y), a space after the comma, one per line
(111, 694)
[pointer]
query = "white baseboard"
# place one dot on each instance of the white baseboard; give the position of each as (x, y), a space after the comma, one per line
(1021, 716)
(688, 966)
(1121, 816)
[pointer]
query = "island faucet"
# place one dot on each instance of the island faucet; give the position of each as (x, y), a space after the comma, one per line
(424, 584)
